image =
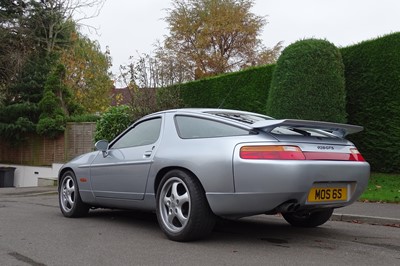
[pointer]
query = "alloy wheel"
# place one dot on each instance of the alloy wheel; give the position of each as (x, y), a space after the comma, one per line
(67, 193)
(175, 204)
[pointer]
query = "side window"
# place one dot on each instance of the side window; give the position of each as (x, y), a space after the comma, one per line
(145, 133)
(194, 127)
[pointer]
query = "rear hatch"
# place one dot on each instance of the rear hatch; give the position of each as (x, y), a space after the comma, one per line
(317, 140)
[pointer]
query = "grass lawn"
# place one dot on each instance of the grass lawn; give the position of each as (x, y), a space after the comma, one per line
(382, 188)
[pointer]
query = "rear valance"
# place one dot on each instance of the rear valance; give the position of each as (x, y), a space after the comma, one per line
(337, 129)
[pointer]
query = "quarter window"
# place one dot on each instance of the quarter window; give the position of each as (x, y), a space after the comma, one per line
(194, 127)
(145, 133)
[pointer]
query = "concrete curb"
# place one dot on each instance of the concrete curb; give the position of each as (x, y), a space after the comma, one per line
(28, 191)
(41, 193)
(366, 219)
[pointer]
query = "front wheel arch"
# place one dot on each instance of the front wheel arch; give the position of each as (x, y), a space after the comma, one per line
(60, 175)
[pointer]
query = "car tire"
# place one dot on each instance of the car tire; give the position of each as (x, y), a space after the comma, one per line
(182, 210)
(308, 219)
(70, 201)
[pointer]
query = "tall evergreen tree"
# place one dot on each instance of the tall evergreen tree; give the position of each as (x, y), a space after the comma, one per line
(34, 94)
(20, 112)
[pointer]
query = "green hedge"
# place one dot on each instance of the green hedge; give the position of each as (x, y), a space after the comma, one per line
(245, 90)
(372, 71)
(308, 83)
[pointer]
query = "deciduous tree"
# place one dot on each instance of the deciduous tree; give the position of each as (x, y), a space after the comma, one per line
(206, 37)
(215, 36)
(15, 44)
(49, 17)
(87, 73)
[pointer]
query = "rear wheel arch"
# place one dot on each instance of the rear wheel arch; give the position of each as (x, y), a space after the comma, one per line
(165, 170)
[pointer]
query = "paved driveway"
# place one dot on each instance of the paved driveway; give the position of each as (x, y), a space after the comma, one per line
(33, 232)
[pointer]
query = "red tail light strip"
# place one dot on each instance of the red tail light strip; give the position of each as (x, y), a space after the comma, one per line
(333, 156)
(295, 153)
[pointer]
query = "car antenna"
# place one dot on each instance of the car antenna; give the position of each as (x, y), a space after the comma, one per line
(229, 93)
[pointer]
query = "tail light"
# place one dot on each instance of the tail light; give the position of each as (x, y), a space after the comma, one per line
(272, 153)
(356, 155)
(286, 152)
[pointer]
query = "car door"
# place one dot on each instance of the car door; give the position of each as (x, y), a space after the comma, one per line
(122, 172)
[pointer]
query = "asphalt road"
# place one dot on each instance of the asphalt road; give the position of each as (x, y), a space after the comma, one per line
(33, 232)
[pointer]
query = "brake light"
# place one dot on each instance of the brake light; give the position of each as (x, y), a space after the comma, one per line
(272, 153)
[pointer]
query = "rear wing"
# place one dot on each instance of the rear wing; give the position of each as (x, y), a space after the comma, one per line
(340, 130)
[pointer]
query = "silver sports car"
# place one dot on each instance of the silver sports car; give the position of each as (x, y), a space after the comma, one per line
(192, 165)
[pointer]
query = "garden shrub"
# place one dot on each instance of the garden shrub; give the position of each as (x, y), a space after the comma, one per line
(115, 120)
(308, 83)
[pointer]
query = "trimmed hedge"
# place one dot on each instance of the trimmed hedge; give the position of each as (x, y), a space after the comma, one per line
(245, 90)
(372, 71)
(308, 83)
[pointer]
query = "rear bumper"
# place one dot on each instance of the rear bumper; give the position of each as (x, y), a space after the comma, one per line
(266, 186)
(246, 204)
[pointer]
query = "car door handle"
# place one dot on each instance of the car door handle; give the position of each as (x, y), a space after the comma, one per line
(147, 154)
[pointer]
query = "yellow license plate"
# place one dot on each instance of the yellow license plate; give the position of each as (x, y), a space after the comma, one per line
(322, 194)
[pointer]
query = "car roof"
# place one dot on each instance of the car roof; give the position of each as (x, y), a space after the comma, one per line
(210, 111)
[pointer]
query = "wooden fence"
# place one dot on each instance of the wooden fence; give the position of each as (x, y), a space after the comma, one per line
(77, 139)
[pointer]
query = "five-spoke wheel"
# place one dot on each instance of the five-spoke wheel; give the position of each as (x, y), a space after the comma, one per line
(182, 209)
(175, 205)
(70, 201)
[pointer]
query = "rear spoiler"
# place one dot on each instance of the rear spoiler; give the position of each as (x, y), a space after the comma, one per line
(340, 130)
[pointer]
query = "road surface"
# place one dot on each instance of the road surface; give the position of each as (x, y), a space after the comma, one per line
(33, 232)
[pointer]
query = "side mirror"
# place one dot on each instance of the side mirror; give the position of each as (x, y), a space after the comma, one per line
(102, 145)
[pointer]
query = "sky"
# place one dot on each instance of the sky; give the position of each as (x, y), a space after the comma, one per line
(131, 27)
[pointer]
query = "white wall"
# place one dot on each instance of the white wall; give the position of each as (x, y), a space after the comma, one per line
(27, 176)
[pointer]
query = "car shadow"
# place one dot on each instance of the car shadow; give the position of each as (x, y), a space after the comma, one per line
(124, 217)
(270, 229)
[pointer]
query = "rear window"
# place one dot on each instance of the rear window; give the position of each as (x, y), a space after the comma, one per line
(242, 117)
(250, 118)
(193, 127)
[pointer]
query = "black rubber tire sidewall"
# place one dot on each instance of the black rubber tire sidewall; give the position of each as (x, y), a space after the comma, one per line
(201, 219)
(79, 209)
(314, 219)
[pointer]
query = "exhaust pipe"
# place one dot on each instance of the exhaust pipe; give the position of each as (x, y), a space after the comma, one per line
(288, 207)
